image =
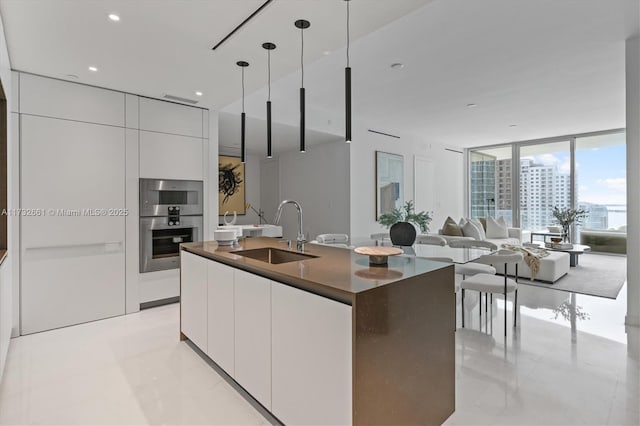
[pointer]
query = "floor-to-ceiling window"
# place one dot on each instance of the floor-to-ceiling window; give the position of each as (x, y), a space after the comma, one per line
(490, 183)
(524, 181)
(601, 190)
(545, 182)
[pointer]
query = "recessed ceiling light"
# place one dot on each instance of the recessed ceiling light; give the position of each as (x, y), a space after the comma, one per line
(472, 105)
(198, 93)
(397, 66)
(94, 69)
(114, 17)
(326, 52)
(513, 125)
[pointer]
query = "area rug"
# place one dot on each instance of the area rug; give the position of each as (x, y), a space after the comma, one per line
(598, 275)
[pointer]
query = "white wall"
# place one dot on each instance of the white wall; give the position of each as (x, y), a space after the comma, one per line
(448, 188)
(633, 177)
(252, 188)
(319, 181)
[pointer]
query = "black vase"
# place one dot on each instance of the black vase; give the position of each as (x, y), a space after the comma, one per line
(403, 234)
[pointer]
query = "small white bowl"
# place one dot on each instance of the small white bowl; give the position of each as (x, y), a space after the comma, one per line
(555, 229)
(224, 235)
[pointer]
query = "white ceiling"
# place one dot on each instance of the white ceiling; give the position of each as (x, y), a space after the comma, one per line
(551, 67)
(161, 47)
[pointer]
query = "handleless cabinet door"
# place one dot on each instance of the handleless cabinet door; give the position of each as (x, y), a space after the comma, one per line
(72, 253)
(193, 298)
(220, 320)
(253, 335)
(311, 350)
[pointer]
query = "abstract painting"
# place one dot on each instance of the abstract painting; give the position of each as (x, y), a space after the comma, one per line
(231, 181)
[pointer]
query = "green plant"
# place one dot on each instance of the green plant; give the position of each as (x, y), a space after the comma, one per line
(566, 216)
(406, 214)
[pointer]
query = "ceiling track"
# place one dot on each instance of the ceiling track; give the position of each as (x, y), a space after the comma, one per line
(384, 134)
(246, 21)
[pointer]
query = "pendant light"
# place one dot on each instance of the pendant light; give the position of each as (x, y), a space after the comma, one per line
(242, 65)
(347, 86)
(269, 47)
(302, 24)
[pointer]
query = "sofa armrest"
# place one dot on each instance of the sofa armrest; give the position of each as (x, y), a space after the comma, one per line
(515, 233)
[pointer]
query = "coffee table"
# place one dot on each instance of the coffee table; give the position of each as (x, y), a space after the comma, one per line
(574, 252)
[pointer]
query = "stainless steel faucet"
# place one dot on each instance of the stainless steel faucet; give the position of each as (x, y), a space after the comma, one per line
(300, 239)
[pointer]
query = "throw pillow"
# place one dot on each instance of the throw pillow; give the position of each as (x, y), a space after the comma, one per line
(452, 230)
(478, 224)
(497, 228)
(483, 221)
(471, 230)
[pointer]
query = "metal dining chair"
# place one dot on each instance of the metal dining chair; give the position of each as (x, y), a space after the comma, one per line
(490, 284)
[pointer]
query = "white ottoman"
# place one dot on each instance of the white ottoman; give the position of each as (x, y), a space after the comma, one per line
(552, 267)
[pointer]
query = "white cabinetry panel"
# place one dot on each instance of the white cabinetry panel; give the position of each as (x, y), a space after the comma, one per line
(72, 262)
(71, 165)
(164, 156)
(253, 335)
(220, 319)
(193, 297)
(311, 350)
(55, 98)
(6, 316)
(167, 117)
(132, 108)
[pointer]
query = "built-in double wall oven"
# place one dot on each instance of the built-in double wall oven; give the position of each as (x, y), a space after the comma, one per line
(170, 214)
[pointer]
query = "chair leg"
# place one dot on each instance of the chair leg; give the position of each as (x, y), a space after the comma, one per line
(480, 307)
(505, 313)
(515, 309)
(462, 308)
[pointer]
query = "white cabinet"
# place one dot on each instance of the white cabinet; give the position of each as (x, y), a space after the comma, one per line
(55, 98)
(164, 156)
(220, 315)
(72, 261)
(311, 358)
(6, 316)
(168, 117)
(193, 298)
(253, 335)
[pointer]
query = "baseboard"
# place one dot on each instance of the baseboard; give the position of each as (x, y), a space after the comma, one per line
(633, 320)
(154, 303)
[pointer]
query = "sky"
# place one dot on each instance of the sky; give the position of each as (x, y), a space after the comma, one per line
(601, 172)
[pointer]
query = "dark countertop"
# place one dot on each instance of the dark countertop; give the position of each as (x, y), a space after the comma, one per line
(3, 256)
(337, 273)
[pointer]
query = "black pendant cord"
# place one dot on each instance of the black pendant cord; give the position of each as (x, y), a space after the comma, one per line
(302, 25)
(243, 116)
(302, 95)
(347, 87)
(269, 47)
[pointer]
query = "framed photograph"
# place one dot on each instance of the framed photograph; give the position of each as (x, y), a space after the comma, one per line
(389, 182)
(231, 189)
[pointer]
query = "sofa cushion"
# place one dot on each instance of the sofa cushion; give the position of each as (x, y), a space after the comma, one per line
(496, 228)
(450, 227)
(478, 225)
(471, 230)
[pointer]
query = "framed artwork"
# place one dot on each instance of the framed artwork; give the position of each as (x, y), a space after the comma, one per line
(231, 185)
(389, 182)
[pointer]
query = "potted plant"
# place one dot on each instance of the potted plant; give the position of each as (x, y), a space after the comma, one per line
(566, 217)
(401, 223)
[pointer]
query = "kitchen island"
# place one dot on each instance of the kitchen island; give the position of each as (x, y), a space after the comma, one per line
(322, 337)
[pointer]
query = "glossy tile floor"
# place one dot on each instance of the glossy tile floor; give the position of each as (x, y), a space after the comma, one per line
(569, 362)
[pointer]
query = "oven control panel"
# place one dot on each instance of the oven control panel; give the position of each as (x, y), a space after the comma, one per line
(174, 215)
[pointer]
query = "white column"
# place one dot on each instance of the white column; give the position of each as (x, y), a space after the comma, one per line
(633, 180)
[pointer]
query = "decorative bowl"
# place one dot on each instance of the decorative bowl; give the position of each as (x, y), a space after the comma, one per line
(555, 229)
(556, 240)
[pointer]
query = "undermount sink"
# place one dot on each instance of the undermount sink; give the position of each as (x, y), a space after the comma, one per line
(273, 256)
